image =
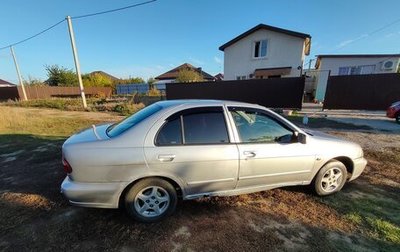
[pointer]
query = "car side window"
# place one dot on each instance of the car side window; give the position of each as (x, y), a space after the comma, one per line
(205, 125)
(254, 126)
(170, 133)
(205, 128)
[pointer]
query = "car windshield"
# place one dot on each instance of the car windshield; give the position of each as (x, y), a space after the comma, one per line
(395, 104)
(119, 128)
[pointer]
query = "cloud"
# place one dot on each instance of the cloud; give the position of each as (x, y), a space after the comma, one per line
(217, 60)
(349, 41)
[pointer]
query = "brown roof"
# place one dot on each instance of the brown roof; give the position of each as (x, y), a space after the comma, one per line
(219, 77)
(113, 78)
(173, 73)
(5, 82)
(265, 27)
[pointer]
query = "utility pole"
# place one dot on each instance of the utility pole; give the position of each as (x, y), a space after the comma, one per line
(309, 64)
(77, 66)
(19, 74)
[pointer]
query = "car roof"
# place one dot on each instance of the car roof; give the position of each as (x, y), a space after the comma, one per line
(203, 102)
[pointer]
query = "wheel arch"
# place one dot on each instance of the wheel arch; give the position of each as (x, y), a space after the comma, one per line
(348, 163)
(178, 187)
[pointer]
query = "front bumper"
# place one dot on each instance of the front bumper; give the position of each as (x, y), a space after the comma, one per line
(359, 166)
(99, 195)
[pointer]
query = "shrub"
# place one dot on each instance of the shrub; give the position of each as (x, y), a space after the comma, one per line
(127, 109)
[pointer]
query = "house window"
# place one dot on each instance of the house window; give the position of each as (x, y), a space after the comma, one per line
(368, 69)
(260, 49)
(354, 70)
(344, 70)
(241, 77)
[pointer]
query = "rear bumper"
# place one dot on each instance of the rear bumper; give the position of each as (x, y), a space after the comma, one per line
(359, 166)
(99, 195)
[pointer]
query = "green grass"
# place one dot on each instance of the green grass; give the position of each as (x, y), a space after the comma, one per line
(384, 230)
(73, 104)
(17, 121)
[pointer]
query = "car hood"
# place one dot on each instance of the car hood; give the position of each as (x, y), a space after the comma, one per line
(89, 135)
(328, 143)
(321, 135)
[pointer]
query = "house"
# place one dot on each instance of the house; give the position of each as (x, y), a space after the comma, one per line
(109, 76)
(171, 75)
(352, 64)
(219, 77)
(265, 52)
(4, 83)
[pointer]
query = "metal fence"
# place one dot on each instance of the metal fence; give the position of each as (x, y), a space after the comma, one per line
(366, 92)
(273, 93)
(40, 92)
(124, 89)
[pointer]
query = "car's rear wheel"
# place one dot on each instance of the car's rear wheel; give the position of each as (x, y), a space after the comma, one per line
(151, 200)
(330, 178)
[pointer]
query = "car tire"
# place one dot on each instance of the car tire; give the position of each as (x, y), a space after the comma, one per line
(151, 200)
(330, 178)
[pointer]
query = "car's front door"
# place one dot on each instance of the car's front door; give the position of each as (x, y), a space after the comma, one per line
(194, 146)
(268, 150)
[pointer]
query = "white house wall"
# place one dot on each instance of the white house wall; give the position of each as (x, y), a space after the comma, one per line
(282, 51)
(333, 64)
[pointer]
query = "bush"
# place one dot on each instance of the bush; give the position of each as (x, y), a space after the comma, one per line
(154, 92)
(128, 109)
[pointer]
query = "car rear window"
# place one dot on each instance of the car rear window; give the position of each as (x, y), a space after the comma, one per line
(119, 128)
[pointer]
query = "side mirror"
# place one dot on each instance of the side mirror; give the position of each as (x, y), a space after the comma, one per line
(301, 138)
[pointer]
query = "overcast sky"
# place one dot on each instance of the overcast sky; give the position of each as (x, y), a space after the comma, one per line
(148, 40)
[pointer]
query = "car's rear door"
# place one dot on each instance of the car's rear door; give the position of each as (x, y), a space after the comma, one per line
(269, 155)
(194, 145)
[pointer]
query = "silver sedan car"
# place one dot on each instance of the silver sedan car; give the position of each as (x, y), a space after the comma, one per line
(187, 149)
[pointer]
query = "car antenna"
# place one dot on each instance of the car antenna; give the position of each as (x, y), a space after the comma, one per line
(95, 132)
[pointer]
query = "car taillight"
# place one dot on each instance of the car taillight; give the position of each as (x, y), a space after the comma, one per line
(67, 166)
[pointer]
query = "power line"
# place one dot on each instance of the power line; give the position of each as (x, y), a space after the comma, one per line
(33, 36)
(76, 17)
(368, 34)
(113, 10)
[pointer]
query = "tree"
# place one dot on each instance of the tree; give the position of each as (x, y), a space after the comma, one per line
(34, 82)
(133, 80)
(96, 80)
(60, 76)
(151, 81)
(188, 75)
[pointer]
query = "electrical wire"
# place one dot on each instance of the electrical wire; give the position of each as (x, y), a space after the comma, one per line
(368, 34)
(76, 17)
(114, 10)
(33, 36)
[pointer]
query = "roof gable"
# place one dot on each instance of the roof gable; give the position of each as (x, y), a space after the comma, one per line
(264, 27)
(5, 82)
(173, 73)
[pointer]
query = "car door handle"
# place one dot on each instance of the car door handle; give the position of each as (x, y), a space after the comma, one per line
(249, 154)
(166, 157)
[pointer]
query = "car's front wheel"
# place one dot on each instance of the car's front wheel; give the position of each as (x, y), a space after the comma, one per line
(330, 178)
(151, 200)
